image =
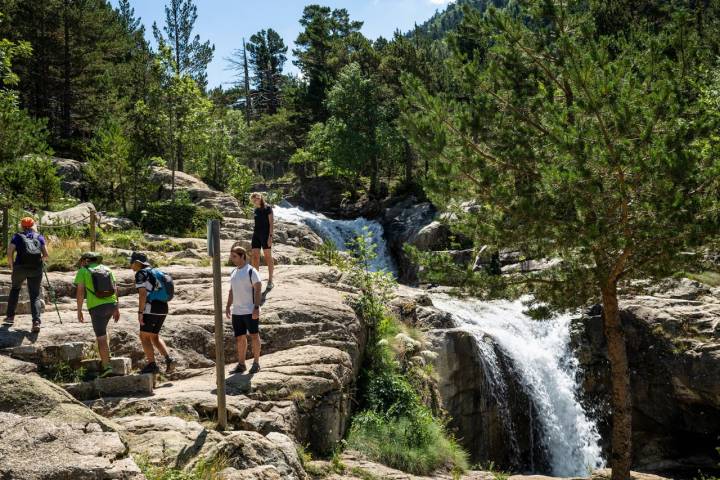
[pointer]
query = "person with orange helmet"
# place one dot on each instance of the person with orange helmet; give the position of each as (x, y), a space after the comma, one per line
(25, 255)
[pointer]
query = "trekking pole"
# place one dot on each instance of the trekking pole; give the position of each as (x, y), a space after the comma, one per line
(52, 293)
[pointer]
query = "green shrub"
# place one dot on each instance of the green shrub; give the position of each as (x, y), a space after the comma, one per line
(63, 373)
(205, 470)
(416, 444)
(169, 217)
(394, 426)
(177, 218)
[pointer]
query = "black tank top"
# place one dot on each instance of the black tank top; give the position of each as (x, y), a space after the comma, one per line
(262, 220)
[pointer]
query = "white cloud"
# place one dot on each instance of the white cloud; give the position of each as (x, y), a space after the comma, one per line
(441, 2)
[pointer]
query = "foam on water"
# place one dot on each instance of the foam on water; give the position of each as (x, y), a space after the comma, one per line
(541, 353)
(341, 232)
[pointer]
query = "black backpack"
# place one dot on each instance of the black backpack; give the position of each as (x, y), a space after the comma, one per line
(31, 253)
(102, 280)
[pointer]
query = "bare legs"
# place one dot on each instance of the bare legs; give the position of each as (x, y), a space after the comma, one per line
(242, 345)
(104, 350)
(255, 261)
(151, 341)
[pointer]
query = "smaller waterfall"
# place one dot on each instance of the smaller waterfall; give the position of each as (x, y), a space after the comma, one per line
(341, 232)
(540, 353)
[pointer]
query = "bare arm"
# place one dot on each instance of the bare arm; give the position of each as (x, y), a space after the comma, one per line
(258, 293)
(271, 219)
(80, 298)
(142, 294)
(45, 254)
(10, 255)
(229, 303)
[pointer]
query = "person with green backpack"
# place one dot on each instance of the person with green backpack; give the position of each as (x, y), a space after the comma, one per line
(96, 283)
(155, 289)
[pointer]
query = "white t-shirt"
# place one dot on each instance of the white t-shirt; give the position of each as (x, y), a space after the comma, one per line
(242, 290)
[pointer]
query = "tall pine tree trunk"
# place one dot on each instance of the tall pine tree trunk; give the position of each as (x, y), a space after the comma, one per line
(248, 98)
(66, 73)
(621, 403)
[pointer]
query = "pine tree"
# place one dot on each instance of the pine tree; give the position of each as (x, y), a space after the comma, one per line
(323, 29)
(578, 144)
(267, 57)
(190, 54)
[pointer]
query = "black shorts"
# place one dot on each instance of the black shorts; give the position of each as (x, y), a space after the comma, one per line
(260, 240)
(100, 317)
(154, 316)
(244, 324)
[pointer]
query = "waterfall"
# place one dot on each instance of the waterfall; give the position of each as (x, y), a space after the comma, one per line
(341, 232)
(541, 355)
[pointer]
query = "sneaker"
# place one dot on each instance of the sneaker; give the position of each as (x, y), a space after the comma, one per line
(35, 326)
(170, 365)
(239, 368)
(106, 371)
(255, 368)
(270, 286)
(9, 320)
(150, 368)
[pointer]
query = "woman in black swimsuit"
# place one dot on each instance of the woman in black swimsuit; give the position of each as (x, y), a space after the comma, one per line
(262, 235)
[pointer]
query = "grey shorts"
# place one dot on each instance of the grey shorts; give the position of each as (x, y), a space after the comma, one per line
(100, 317)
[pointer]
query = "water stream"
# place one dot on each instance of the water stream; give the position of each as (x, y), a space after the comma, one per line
(539, 350)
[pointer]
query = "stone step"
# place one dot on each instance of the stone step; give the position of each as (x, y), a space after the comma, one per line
(121, 366)
(71, 353)
(125, 386)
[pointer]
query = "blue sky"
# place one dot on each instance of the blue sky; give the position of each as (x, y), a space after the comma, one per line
(226, 22)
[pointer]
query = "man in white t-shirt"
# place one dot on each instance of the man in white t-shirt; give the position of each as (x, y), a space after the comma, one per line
(243, 307)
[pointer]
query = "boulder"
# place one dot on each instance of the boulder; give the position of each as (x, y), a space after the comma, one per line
(72, 178)
(433, 236)
(77, 215)
(166, 440)
(23, 394)
(40, 449)
(250, 451)
(674, 355)
(10, 365)
(402, 223)
(493, 429)
(116, 223)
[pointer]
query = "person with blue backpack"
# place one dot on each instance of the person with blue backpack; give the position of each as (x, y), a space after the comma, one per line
(155, 289)
(26, 255)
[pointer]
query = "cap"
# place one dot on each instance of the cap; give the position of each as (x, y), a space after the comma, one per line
(140, 258)
(27, 222)
(91, 256)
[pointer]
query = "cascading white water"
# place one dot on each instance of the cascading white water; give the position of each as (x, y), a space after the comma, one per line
(341, 232)
(541, 354)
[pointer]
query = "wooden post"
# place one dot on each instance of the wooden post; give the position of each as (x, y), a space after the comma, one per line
(93, 236)
(214, 251)
(5, 227)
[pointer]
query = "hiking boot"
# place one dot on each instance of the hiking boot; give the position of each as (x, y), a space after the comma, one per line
(270, 286)
(150, 368)
(170, 365)
(254, 369)
(106, 371)
(239, 368)
(35, 326)
(9, 320)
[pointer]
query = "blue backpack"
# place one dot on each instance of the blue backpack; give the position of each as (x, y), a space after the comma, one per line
(164, 287)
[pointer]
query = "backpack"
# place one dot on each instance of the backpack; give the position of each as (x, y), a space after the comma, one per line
(102, 280)
(164, 286)
(31, 253)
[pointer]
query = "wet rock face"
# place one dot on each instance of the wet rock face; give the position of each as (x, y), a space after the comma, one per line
(493, 423)
(673, 345)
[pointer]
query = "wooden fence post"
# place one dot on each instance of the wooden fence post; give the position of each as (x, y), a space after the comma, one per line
(93, 236)
(214, 251)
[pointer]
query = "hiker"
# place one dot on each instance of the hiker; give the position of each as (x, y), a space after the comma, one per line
(26, 255)
(243, 307)
(155, 290)
(96, 282)
(263, 235)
